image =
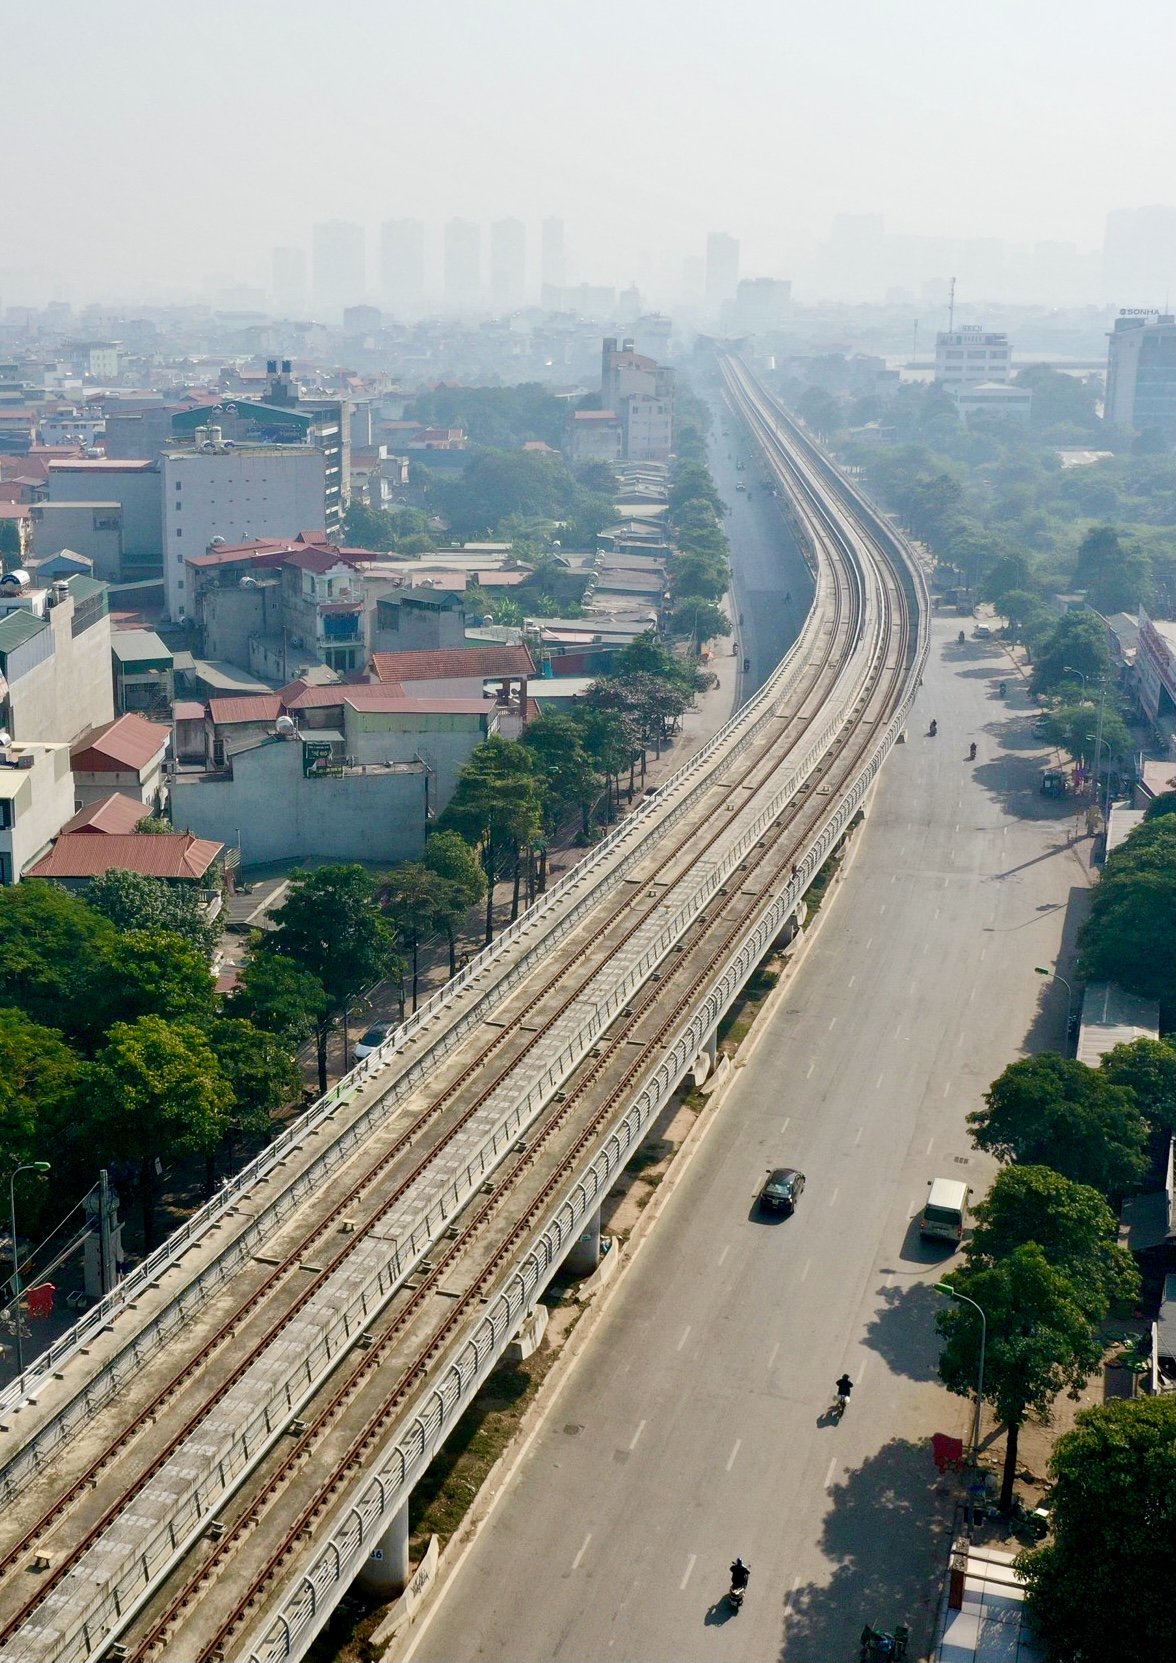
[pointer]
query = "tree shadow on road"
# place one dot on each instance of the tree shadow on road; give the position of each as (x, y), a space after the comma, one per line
(888, 1530)
(902, 1330)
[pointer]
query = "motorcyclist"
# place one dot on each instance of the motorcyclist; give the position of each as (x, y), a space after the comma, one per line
(960, 638)
(972, 751)
(740, 1575)
(934, 728)
(844, 1387)
(1002, 689)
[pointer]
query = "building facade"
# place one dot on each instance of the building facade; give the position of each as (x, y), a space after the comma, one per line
(972, 353)
(55, 665)
(402, 266)
(1141, 373)
(36, 801)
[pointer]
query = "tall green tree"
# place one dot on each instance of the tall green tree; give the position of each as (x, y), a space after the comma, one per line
(40, 1079)
(133, 902)
(1147, 1068)
(1053, 1111)
(498, 808)
(1103, 1584)
(1077, 643)
(331, 926)
(569, 778)
(279, 997)
(450, 857)
(263, 1075)
(1071, 1223)
(413, 898)
(1130, 935)
(1040, 1342)
(158, 973)
(156, 1092)
(1078, 729)
(55, 953)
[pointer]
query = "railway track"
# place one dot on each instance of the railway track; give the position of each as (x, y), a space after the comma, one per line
(373, 1382)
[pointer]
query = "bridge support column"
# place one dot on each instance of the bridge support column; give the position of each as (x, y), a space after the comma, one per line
(705, 1061)
(584, 1255)
(385, 1570)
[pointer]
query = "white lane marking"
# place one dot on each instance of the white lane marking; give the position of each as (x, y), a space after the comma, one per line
(833, 1197)
(785, 1126)
(971, 996)
(828, 1481)
(947, 1088)
(582, 1552)
(913, 1208)
(869, 944)
(960, 1040)
(690, 1564)
(724, 1253)
(877, 1087)
(861, 1129)
(636, 1435)
(926, 944)
(930, 1144)
(775, 1351)
(862, 1369)
(685, 1337)
(809, 1069)
(882, 908)
(734, 1453)
(832, 1024)
(851, 981)
(808, 1265)
(983, 951)
(893, 876)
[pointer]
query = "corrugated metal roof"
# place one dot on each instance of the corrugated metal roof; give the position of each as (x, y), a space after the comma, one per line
(450, 663)
(17, 627)
(128, 742)
(247, 708)
(162, 855)
(116, 815)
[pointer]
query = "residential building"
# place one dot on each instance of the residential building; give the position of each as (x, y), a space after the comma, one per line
(113, 816)
(647, 427)
(1155, 675)
(991, 398)
(971, 353)
(71, 427)
(126, 755)
(338, 266)
(416, 620)
(553, 269)
(630, 378)
(36, 800)
(594, 436)
(508, 264)
(289, 796)
(722, 268)
(463, 265)
(135, 484)
(762, 303)
(176, 857)
(213, 492)
(1141, 373)
(144, 672)
(88, 526)
(55, 680)
(288, 280)
(458, 671)
(402, 266)
(362, 320)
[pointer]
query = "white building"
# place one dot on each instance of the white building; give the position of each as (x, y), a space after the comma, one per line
(647, 424)
(36, 800)
(55, 665)
(971, 354)
(991, 398)
(212, 491)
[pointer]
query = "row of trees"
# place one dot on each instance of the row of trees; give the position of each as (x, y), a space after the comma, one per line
(700, 572)
(1043, 1262)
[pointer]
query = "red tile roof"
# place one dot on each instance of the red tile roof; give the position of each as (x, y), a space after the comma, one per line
(449, 663)
(116, 815)
(187, 710)
(129, 743)
(166, 855)
(247, 707)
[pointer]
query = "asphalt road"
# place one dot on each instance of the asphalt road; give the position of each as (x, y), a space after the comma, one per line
(694, 1426)
(772, 586)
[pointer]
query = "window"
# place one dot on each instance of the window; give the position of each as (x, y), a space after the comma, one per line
(179, 560)
(6, 814)
(179, 531)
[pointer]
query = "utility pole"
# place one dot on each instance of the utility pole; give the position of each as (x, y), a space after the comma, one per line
(106, 1205)
(951, 307)
(915, 346)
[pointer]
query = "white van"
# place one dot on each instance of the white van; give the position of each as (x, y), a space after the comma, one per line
(946, 1212)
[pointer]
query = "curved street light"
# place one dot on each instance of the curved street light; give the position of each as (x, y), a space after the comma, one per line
(951, 1293)
(1040, 970)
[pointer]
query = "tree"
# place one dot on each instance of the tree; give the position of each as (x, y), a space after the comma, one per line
(157, 973)
(1147, 1068)
(1130, 935)
(40, 1077)
(1071, 1223)
(702, 620)
(277, 996)
(1058, 398)
(1076, 644)
(1114, 575)
(820, 411)
(262, 1074)
(133, 902)
(613, 741)
(692, 482)
(1054, 1111)
(648, 656)
(55, 951)
(497, 808)
(1039, 1342)
(331, 926)
(413, 897)
(451, 858)
(156, 1092)
(1078, 728)
(568, 775)
(1165, 803)
(1104, 1580)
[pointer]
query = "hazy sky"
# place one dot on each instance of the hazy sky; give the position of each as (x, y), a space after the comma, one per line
(150, 144)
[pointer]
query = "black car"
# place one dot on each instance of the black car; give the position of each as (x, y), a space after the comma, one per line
(782, 1190)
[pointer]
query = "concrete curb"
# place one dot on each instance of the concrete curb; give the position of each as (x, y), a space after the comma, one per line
(498, 1479)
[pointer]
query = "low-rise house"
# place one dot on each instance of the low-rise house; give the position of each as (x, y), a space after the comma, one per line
(178, 857)
(126, 755)
(113, 816)
(55, 679)
(144, 676)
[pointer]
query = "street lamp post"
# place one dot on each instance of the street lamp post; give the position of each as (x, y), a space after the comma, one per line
(29, 1166)
(952, 1293)
(1040, 970)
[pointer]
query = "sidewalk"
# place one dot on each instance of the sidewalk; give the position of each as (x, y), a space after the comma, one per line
(988, 1626)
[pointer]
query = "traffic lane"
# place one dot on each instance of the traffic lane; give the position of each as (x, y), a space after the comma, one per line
(856, 1532)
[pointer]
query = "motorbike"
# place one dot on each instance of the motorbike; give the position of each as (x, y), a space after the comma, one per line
(1002, 689)
(961, 638)
(933, 729)
(740, 1577)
